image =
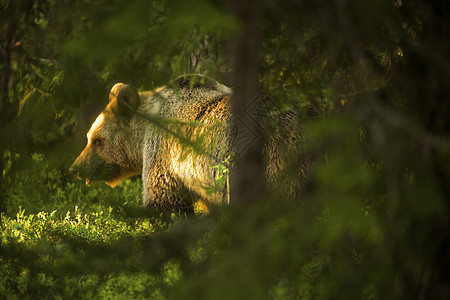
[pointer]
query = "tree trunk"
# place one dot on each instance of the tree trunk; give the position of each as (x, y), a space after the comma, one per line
(247, 175)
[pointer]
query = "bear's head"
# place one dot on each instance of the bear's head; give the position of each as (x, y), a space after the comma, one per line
(111, 153)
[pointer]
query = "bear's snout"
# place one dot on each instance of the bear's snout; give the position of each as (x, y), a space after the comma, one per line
(81, 172)
(82, 166)
(74, 169)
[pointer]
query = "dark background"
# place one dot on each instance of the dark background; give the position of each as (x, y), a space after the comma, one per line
(368, 79)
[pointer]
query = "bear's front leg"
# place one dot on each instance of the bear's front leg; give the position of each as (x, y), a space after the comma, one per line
(164, 192)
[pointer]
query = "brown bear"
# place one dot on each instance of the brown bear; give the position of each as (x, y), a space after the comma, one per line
(155, 134)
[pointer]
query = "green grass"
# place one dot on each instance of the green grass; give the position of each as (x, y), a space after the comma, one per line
(41, 254)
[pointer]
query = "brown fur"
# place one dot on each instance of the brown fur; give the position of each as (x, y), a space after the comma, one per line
(125, 143)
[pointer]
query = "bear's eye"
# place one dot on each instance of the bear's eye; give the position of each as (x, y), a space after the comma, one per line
(98, 142)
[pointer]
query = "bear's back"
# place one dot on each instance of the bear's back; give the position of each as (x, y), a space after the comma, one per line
(189, 100)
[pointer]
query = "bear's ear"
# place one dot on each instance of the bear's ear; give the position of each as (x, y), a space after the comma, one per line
(126, 99)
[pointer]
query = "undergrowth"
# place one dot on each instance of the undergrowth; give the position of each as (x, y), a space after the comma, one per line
(52, 222)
